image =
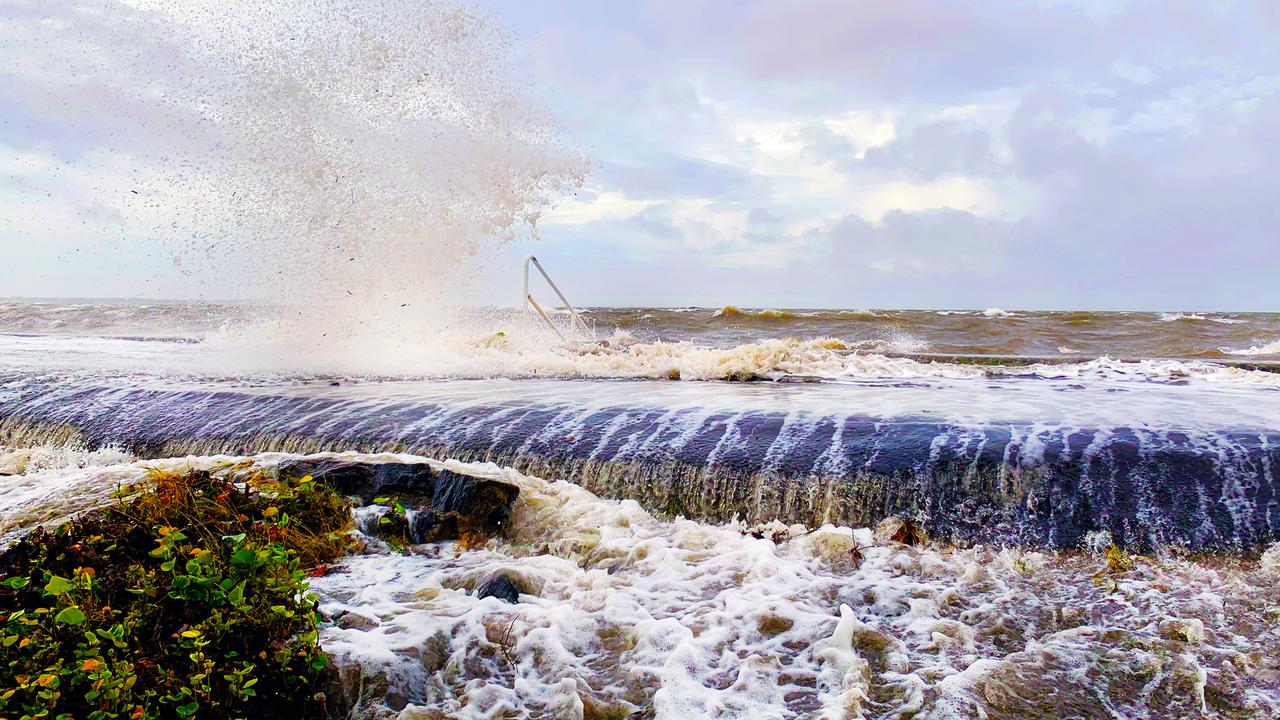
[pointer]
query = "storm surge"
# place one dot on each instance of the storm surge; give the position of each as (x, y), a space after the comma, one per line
(1044, 462)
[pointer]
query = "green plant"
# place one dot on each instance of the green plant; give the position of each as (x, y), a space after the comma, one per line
(186, 600)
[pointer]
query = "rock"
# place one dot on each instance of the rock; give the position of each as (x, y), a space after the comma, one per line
(357, 621)
(894, 529)
(446, 505)
(462, 507)
(365, 480)
(502, 585)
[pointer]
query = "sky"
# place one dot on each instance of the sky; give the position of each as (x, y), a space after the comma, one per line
(1036, 154)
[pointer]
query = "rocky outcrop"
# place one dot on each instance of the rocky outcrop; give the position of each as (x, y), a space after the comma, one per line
(431, 505)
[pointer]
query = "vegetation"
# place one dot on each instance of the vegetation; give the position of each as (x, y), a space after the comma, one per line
(185, 600)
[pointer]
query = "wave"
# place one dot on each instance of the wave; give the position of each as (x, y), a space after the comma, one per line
(524, 351)
(1175, 317)
(1271, 348)
(996, 312)
(736, 313)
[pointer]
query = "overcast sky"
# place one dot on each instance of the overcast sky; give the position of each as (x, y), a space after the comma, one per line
(859, 153)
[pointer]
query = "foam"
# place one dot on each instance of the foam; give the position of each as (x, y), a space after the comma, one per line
(631, 613)
(1175, 317)
(1271, 348)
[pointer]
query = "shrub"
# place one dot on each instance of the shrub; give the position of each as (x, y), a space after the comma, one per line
(186, 600)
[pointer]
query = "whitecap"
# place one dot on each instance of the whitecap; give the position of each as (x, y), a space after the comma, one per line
(1271, 348)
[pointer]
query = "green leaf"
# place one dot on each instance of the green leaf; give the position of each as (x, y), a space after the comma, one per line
(187, 710)
(236, 596)
(244, 557)
(234, 539)
(16, 583)
(70, 615)
(58, 586)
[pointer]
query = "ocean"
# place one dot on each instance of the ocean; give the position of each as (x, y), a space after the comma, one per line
(1091, 499)
(694, 485)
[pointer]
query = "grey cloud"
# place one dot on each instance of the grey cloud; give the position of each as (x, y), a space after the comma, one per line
(936, 149)
(924, 152)
(920, 244)
(654, 221)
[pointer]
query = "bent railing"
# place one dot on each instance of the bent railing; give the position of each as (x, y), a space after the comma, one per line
(576, 323)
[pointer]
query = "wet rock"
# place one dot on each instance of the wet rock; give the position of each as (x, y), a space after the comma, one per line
(504, 586)
(489, 500)
(894, 529)
(365, 480)
(464, 508)
(445, 505)
(357, 621)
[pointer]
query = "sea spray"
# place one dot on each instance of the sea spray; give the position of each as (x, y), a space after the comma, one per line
(338, 161)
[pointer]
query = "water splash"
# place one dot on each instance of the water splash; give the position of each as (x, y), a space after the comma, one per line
(340, 160)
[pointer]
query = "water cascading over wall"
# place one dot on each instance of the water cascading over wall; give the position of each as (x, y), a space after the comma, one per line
(994, 482)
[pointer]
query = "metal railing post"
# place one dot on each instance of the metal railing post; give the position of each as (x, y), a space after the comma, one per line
(575, 319)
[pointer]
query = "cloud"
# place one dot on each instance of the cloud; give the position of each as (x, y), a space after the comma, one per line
(950, 152)
(936, 150)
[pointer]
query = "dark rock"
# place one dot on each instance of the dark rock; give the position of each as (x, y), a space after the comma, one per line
(446, 505)
(504, 586)
(480, 500)
(364, 480)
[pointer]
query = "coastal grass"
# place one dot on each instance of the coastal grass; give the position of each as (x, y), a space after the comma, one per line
(187, 599)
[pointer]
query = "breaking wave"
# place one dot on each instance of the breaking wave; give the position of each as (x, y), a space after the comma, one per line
(1175, 317)
(1271, 348)
(341, 162)
(732, 312)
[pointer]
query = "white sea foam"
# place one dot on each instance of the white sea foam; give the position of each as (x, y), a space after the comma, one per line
(522, 350)
(1176, 316)
(47, 484)
(1271, 348)
(631, 614)
(996, 313)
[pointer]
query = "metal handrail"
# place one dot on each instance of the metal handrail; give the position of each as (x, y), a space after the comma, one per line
(575, 319)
